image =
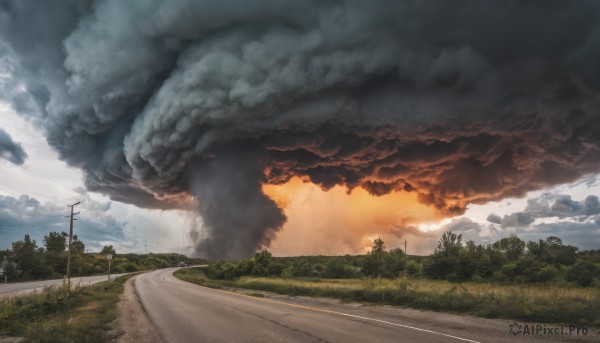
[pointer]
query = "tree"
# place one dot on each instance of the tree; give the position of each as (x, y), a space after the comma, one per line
(512, 247)
(583, 273)
(108, 249)
(394, 261)
(336, 269)
(262, 262)
(29, 258)
(55, 242)
(538, 248)
(77, 246)
(373, 265)
(449, 245)
(445, 260)
(552, 250)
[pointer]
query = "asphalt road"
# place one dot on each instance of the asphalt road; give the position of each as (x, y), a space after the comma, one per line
(184, 312)
(21, 288)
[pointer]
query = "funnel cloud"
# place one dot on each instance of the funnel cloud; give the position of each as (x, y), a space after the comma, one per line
(196, 104)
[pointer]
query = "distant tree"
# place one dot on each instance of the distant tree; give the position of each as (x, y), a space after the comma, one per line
(241, 268)
(373, 264)
(394, 262)
(473, 262)
(512, 247)
(262, 262)
(336, 269)
(30, 258)
(55, 242)
(552, 250)
(538, 249)
(412, 267)
(546, 274)
(77, 246)
(445, 262)
(583, 272)
(449, 245)
(378, 249)
(553, 241)
(108, 249)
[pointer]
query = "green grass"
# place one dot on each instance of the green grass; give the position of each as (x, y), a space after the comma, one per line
(534, 303)
(258, 295)
(47, 316)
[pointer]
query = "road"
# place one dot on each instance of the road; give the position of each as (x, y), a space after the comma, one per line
(184, 312)
(21, 288)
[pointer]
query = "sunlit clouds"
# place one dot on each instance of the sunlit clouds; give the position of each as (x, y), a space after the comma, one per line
(336, 222)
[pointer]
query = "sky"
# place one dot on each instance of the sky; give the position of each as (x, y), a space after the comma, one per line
(34, 198)
(328, 223)
(220, 128)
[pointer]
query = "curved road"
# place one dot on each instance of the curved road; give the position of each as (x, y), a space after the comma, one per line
(185, 312)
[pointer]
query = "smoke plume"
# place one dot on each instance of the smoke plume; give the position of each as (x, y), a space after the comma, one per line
(161, 102)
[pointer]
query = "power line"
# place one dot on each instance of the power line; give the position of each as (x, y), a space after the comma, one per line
(26, 191)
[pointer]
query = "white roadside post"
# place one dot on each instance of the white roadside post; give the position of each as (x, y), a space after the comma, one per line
(109, 257)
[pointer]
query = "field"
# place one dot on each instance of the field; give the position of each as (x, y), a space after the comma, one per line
(533, 303)
(46, 316)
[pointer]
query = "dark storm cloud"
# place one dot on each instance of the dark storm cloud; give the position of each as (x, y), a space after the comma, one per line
(562, 206)
(462, 225)
(462, 102)
(494, 218)
(402, 231)
(25, 215)
(576, 222)
(547, 206)
(518, 219)
(585, 235)
(10, 150)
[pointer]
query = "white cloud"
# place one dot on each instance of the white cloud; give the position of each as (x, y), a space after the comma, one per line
(48, 185)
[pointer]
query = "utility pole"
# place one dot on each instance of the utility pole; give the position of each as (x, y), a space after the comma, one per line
(405, 251)
(109, 258)
(70, 242)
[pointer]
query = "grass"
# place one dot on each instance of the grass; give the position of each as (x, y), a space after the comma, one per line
(534, 303)
(46, 316)
(258, 295)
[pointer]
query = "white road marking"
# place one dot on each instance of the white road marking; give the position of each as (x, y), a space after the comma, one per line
(347, 315)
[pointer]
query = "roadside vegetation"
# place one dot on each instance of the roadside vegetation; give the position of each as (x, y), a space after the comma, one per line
(507, 261)
(544, 281)
(538, 303)
(27, 261)
(47, 315)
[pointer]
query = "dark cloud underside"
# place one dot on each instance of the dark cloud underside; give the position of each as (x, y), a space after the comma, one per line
(10, 150)
(462, 102)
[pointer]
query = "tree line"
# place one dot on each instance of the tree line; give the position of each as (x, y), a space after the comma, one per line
(508, 260)
(513, 260)
(25, 260)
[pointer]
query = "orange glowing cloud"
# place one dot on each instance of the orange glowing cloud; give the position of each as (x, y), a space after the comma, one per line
(335, 222)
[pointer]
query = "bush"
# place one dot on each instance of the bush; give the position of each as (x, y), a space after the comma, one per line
(583, 273)
(546, 274)
(412, 267)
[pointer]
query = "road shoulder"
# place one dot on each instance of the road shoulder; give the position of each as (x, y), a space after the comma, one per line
(132, 324)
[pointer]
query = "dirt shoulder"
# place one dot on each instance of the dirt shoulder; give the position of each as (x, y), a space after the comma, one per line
(132, 324)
